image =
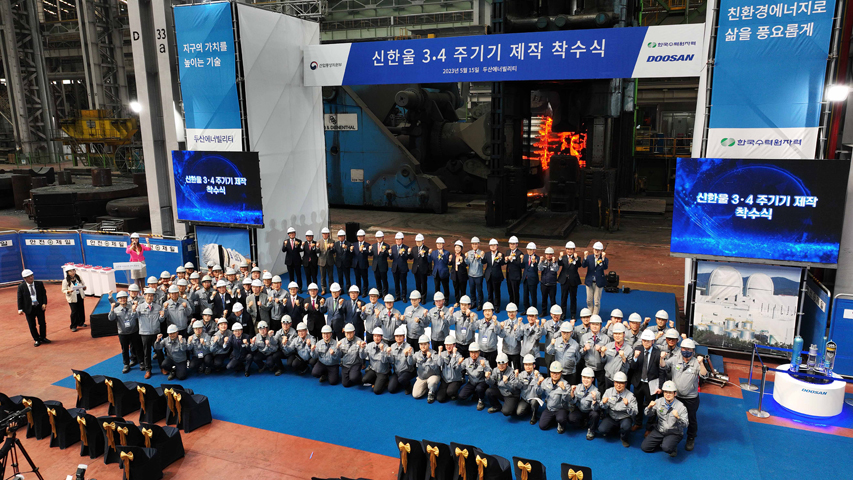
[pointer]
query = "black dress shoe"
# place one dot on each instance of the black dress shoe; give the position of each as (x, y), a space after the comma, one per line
(125, 369)
(36, 344)
(45, 341)
(73, 329)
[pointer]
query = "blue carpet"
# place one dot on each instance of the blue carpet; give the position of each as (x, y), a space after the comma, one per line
(844, 419)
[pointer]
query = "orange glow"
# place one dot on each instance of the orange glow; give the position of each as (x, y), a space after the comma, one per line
(550, 143)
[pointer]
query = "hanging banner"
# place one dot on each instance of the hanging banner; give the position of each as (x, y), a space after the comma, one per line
(168, 255)
(635, 52)
(45, 253)
(207, 66)
(10, 258)
(769, 71)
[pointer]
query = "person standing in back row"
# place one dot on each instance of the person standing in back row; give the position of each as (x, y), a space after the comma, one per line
(73, 287)
(292, 249)
(32, 302)
(595, 265)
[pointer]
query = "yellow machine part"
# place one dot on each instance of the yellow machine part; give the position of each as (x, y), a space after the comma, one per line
(93, 126)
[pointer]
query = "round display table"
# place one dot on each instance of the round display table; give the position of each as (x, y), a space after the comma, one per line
(813, 399)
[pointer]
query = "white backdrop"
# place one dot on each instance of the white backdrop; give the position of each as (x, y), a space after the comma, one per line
(285, 120)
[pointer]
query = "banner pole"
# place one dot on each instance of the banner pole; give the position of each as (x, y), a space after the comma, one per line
(802, 300)
(761, 413)
(748, 385)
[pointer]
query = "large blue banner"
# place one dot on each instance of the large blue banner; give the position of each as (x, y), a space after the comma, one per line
(168, 255)
(207, 66)
(223, 246)
(636, 52)
(769, 70)
(10, 258)
(46, 253)
(103, 250)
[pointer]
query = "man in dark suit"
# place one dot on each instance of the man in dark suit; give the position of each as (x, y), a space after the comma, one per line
(493, 273)
(569, 279)
(595, 280)
(458, 271)
(380, 251)
(292, 304)
(360, 263)
(310, 257)
(343, 259)
(645, 371)
(314, 308)
(438, 262)
(400, 267)
(530, 276)
(292, 249)
(514, 260)
(420, 265)
(32, 302)
(222, 301)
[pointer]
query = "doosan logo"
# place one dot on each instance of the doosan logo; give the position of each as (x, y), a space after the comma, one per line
(815, 392)
(670, 58)
(314, 65)
(727, 142)
(651, 44)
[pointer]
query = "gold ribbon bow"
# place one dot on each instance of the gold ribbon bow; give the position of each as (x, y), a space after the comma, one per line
(461, 455)
(141, 391)
(169, 400)
(177, 397)
(126, 457)
(29, 404)
(573, 475)
(83, 437)
(433, 455)
(405, 449)
(148, 434)
(79, 385)
(51, 413)
(525, 469)
(122, 433)
(109, 428)
(110, 392)
(482, 463)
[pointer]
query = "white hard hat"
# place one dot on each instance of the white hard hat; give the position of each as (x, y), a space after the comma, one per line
(182, 282)
(459, 242)
(662, 314)
(465, 299)
(217, 268)
(399, 235)
(671, 333)
(292, 285)
(647, 335)
(532, 311)
(335, 287)
(194, 276)
(635, 317)
(688, 343)
(301, 326)
(180, 269)
(133, 288)
(401, 330)
(151, 279)
(556, 310)
(324, 230)
(236, 326)
(598, 246)
(247, 281)
(172, 329)
(326, 329)
(511, 307)
(556, 367)
(353, 288)
(438, 296)
(415, 295)
(291, 230)
(256, 269)
(266, 276)
(342, 233)
(349, 328)
(585, 312)
(570, 244)
(372, 291)
(549, 250)
(620, 377)
(594, 319)
(231, 271)
(150, 291)
(419, 238)
(423, 339)
(174, 289)
(276, 279)
(388, 298)
(616, 313)
(121, 294)
(286, 319)
(531, 246)
(360, 233)
(528, 359)
(379, 234)
(263, 324)
(450, 340)
(134, 235)
(488, 306)
(309, 233)
(566, 327)
(502, 358)
(221, 283)
(439, 240)
(618, 328)
(165, 274)
(238, 307)
(474, 347)
(189, 265)
(669, 386)
(376, 331)
(207, 311)
(493, 241)
(221, 320)
(313, 286)
(257, 283)
(587, 372)
(206, 278)
(513, 239)
(475, 240)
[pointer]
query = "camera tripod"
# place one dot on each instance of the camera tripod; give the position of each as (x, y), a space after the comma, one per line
(10, 451)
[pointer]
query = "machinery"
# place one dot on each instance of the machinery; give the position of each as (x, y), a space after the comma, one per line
(109, 140)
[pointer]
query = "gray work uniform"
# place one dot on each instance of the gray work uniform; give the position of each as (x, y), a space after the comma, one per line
(378, 359)
(465, 326)
(613, 359)
(667, 423)
(583, 398)
(508, 388)
(554, 396)
(218, 345)
(178, 313)
(685, 375)
(660, 342)
(148, 316)
(429, 374)
(350, 352)
(528, 385)
(199, 345)
(591, 357)
(414, 329)
(203, 298)
(579, 331)
(371, 319)
(284, 338)
(475, 265)
(327, 353)
(551, 330)
(126, 320)
(615, 406)
(440, 324)
(476, 370)
(511, 333)
(259, 307)
(567, 353)
(633, 339)
(530, 336)
(388, 321)
(451, 368)
(175, 349)
(300, 346)
(488, 338)
(400, 361)
(262, 347)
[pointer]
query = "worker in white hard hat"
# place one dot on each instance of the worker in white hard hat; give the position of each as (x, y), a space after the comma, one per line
(292, 248)
(259, 306)
(351, 348)
(452, 373)
(645, 372)
(616, 317)
(466, 325)
(241, 350)
(208, 324)
(198, 345)
(618, 406)
(416, 318)
(369, 314)
(458, 271)
(528, 381)
(503, 392)
(591, 345)
(325, 351)
(531, 333)
(439, 262)
(343, 259)
(292, 304)
(126, 319)
(175, 350)
(389, 318)
(440, 319)
(475, 371)
(634, 329)
(684, 370)
(582, 328)
(565, 350)
(514, 260)
(403, 364)
(298, 350)
(530, 276)
(428, 369)
(400, 267)
(379, 362)
(548, 270)
(551, 328)
(474, 260)
(349, 313)
(569, 280)
(420, 265)
(487, 334)
(149, 317)
(266, 350)
(670, 417)
(584, 400)
(493, 273)
(313, 309)
(617, 354)
(381, 252)
(511, 335)
(242, 271)
(177, 311)
(204, 294)
(670, 342)
(310, 257)
(596, 265)
(325, 260)
(360, 263)
(180, 273)
(221, 300)
(554, 391)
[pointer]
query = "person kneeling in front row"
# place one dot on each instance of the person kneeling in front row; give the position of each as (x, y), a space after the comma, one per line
(379, 360)
(584, 406)
(671, 421)
(175, 350)
(328, 358)
(619, 407)
(428, 368)
(475, 367)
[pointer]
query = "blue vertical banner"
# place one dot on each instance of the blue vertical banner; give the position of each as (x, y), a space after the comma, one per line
(769, 70)
(46, 252)
(208, 72)
(10, 257)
